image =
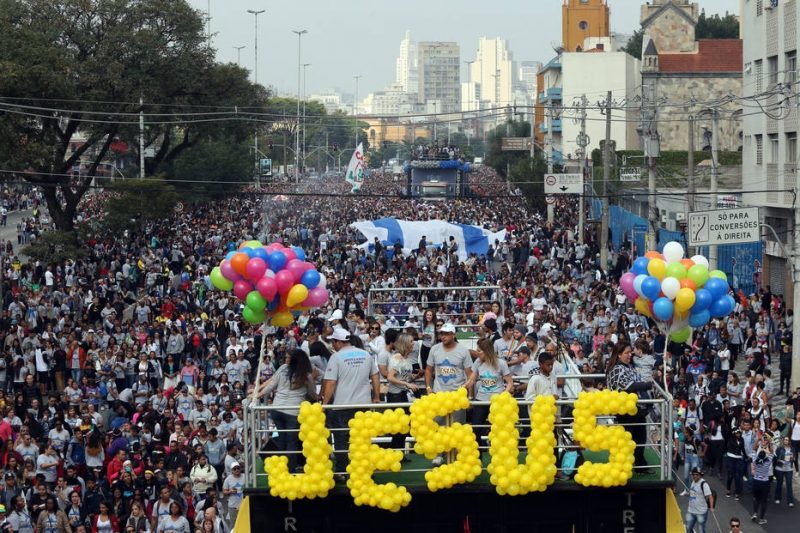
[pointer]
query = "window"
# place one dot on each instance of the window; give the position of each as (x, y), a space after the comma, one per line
(583, 25)
(759, 75)
(791, 147)
(791, 67)
(759, 7)
(759, 149)
(772, 69)
(774, 147)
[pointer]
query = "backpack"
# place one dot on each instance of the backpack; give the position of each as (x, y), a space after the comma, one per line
(713, 494)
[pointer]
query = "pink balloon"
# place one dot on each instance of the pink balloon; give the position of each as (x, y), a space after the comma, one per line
(256, 268)
(289, 253)
(267, 287)
(316, 297)
(307, 266)
(269, 248)
(295, 268)
(241, 289)
(228, 271)
(284, 281)
(626, 284)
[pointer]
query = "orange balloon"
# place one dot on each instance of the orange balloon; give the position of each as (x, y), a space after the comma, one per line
(688, 284)
(239, 263)
(688, 263)
(652, 254)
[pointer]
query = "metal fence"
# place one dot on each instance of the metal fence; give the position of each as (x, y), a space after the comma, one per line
(463, 306)
(259, 430)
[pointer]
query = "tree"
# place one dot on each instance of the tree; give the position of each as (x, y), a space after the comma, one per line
(517, 167)
(716, 27)
(135, 203)
(212, 168)
(634, 44)
(73, 74)
(56, 247)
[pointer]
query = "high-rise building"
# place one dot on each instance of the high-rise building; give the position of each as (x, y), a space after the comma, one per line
(406, 65)
(581, 19)
(493, 70)
(439, 72)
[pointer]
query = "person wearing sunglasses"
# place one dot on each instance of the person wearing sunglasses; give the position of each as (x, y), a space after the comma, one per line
(736, 525)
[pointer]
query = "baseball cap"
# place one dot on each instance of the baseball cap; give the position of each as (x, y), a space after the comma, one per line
(235, 465)
(447, 328)
(340, 334)
(337, 315)
(696, 470)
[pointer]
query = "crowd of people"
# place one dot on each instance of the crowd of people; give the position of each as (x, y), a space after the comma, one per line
(123, 376)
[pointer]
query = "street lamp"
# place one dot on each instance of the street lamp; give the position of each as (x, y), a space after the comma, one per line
(300, 34)
(239, 54)
(355, 109)
(304, 111)
(255, 79)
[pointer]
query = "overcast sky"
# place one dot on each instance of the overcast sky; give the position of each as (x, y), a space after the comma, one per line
(362, 37)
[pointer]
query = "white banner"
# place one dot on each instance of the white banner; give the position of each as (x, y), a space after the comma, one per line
(356, 170)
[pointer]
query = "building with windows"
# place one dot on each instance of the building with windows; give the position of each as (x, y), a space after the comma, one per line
(406, 65)
(439, 76)
(493, 70)
(770, 31)
(581, 19)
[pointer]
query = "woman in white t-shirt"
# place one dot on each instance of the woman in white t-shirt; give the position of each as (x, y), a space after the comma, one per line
(401, 377)
(175, 522)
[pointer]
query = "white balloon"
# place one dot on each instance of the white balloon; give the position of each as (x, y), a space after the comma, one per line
(678, 325)
(670, 287)
(700, 260)
(323, 281)
(269, 274)
(673, 252)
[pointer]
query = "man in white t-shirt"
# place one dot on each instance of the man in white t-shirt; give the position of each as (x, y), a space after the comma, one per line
(700, 501)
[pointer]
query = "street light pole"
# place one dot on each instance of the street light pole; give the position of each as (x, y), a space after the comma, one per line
(300, 34)
(255, 79)
(304, 112)
(239, 54)
(355, 109)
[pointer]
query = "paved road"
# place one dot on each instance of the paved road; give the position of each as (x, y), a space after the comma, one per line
(779, 517)
(9, 231)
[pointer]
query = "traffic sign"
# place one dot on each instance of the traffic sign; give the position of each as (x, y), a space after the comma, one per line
(266, 167)
(516, 144)
(630, 174)
(641, 228)
(563, 184)
(724, 226)
(550, 199)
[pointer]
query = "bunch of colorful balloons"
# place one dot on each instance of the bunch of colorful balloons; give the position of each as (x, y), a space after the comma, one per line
(317, 478)
(678, 292)
(433, 439)
(366, 458)
(539, 471)
(619, 443)
(273, 281)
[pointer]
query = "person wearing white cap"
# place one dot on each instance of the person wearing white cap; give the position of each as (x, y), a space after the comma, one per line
(449, 367)
(351, 378)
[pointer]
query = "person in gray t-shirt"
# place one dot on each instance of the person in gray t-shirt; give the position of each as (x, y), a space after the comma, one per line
(349, 377)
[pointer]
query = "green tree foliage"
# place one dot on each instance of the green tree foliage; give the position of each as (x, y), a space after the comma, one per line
(517, 167)
(634, 45)
(716, 27)
(213, 168)
(55, 247)
(73, 73)
(134, 203)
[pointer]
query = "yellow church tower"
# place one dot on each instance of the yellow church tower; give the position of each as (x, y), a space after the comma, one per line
(581, 19)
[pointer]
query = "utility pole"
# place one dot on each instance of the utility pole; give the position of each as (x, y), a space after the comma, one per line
(606, 175)
(300, 34)
(582, 142)
(712, 249)
(255, 79)
(652, 150)
(304, 113)
(141, 138)
(355, 112)
(548, 141)
(690, 185)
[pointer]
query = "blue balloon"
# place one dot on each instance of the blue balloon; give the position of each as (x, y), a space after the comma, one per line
(232, 247)
(275, 303)
(700, 319)
(702, 300)
(277, 260)
(663, 309)
(310, 278)
(720, 307)
(248, 252)
(637, 283)
(230, 254)
(299, 252)
(716, 287)
(261, 253)
(651, 287)
(640, 266)
(731, 302)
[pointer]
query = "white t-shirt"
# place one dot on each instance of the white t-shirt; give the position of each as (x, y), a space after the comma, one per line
(697, 497)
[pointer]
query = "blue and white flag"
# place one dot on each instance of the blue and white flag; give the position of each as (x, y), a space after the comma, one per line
(470, 239)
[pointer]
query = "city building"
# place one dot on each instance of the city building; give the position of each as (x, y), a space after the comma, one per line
(581, 19)
(493, 70)
(676, 69)
(769, 152)
(406, 65)
(332, 99)
(393, 101)
(439, 76)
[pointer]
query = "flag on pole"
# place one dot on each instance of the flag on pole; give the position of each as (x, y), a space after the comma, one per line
(356, 170)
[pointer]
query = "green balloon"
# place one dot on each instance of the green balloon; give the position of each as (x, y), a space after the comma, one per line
(219, 281)
(255, 301)
(254, 317)
(253, 244)
(682, 335)
(718, 274)
(699, 275)
(676, 270)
